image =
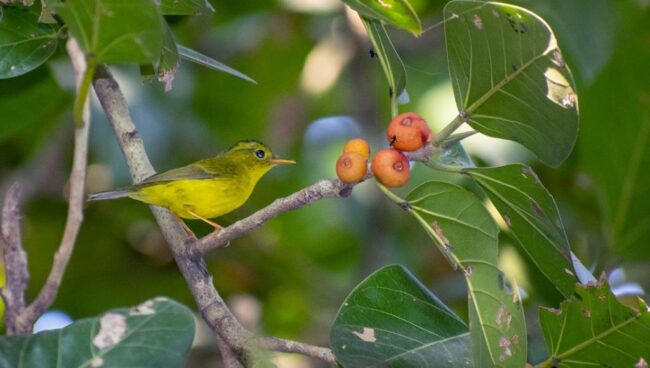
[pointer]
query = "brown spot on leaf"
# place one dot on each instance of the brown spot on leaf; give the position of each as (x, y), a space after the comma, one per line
(536, 208)
(506, 218)
(111, 331)
(436, 228)
(367, 335)
(504, 318)
(504, 343)
(467, 271)
(586, 312)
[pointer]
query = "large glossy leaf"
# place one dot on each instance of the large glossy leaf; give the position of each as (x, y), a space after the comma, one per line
(615, 148)
(530, 212)
(596, 330)
(466, 233)
(185, 7)
(391, 320)
(157, 333)
(115, 31)
(398, 13)
(390, 61)
(199, 58)
(24, 43)
(509, 78)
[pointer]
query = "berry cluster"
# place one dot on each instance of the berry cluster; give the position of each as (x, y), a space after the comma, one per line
(406, 132)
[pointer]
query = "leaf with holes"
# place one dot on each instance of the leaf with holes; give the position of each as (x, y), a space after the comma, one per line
(509, 78)
(388, 57)
(460, 225)
(115, 31)
(156, 333)
(596, 330)
(530, 212)
(398, 13)
(185, 7)
(391, 320)
(24, 43)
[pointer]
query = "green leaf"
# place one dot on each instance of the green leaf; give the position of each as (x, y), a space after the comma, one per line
(398, 13)
(466, 233)
(530, 212)
(24, 43)
(391, 320)
(596, 330)
(20, 115)
(390, 61)
(115, 31)
(615, 149)
(157, 333)
(197, 57)
(509, 77)
(185, 7)
(455, 154)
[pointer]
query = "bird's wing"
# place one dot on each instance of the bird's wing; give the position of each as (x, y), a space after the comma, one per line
(189, 172)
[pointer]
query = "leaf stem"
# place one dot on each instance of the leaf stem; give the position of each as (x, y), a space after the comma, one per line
(435, 164)
(392, 196)
(82, 93)
(449, 129)
(455, 138)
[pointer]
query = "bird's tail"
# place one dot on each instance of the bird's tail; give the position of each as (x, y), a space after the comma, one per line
(113, 194)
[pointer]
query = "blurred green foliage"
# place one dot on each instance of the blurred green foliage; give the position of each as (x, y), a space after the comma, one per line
(301, 265)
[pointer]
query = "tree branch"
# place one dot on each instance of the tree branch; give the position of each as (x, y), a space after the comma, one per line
(211, 306)
(312, 193)
(15, 263)
(77, 181)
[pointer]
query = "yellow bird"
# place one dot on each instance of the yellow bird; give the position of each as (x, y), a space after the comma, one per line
(207, 188)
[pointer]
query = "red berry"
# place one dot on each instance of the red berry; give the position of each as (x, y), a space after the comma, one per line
(391, 168)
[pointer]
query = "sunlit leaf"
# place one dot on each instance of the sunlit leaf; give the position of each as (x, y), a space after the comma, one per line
(596, 330)
(115, 31)
(398, 13)
(157, 333)
(390, 61)
(185, 7)
(466, 233)
(24, 43)
(530, 212)
(391, 320)
(197, 57)
(509, 77)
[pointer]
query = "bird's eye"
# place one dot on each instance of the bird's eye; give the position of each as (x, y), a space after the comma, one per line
(260, 154)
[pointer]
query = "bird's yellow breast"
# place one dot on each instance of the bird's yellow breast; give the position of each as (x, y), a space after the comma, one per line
(207, 198)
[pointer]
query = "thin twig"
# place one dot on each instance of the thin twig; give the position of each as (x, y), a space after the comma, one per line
(48, 292)
(289, 346)
(15, 263)
(319, 190)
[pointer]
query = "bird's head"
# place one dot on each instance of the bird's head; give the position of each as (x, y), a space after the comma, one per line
(254, 156)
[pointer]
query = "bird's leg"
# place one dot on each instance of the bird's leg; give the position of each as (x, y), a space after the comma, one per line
(216, 226)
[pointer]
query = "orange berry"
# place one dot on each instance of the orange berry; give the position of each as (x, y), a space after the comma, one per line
(351, 167)
(391, 167)
(357, 145)
(408, 132)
